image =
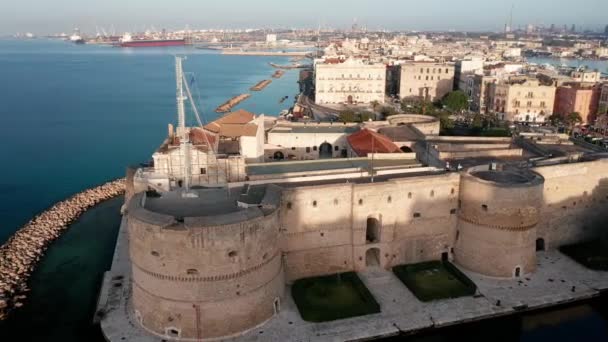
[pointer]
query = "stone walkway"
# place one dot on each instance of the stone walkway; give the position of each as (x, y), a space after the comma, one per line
(557, 280)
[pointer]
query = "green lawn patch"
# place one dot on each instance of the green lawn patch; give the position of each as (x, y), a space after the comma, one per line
(591, 254)
(435, 280)
(328, 298)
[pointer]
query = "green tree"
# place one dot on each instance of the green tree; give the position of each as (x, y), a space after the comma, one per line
(573, 118)
(456, 101)
(416, 106)
(445, 122)
(556, 119)
(347, 115)
(366, 116)
(375, 104)
(477, 123)
(387, 111)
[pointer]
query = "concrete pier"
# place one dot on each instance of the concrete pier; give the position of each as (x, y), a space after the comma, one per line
(557, 280)
(260, 85)
(227, 106)
(266, 53)
(21, 253)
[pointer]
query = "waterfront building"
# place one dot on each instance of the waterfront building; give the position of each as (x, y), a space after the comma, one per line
(578, 97)
(522, 99)
(308, 141)
(603, 101)
(479, 87)
(467, 66)
(586, 76)
(349, 81)
(426, 80)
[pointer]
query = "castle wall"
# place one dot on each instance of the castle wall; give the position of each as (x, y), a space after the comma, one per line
(575, 198)
(190, 277)
(325, 227)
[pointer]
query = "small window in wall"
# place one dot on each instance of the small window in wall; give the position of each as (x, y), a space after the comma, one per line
(203, 171)
(540, 245)
(192, 271)
(336, 201)
(232, 254)
(417, 215)
(293, 148)
(308, 150)
(444, 256)
(484, 207)
(432, 193)
(172, 332)
(336, 148)
(389, 199)
(452, 191)
(409, 195)
(314, 204)
(360, 202)
(154, 253)
(288, 205)
(517, 272)
(457, 234)
(314, 148)
(453, 211)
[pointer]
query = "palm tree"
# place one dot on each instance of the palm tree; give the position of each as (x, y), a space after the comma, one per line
(375, 104)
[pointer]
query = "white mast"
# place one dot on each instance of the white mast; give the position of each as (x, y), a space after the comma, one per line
(182, 133)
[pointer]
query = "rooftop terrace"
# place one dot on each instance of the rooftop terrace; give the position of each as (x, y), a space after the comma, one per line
(315, 129)
(327, 165)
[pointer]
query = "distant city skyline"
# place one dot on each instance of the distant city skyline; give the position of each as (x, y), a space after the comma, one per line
(46, 17)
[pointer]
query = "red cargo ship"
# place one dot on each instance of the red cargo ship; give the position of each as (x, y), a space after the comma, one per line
(128, 41)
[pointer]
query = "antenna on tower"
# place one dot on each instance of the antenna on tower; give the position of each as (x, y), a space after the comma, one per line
(182, 132)
(511, 17)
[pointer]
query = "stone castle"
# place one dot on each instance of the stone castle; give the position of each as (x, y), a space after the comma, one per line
(214, 261)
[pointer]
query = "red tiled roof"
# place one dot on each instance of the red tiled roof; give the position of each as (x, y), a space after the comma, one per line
(366, 141)
(241, 116)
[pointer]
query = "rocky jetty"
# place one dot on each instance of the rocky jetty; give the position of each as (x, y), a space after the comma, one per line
(21, 253)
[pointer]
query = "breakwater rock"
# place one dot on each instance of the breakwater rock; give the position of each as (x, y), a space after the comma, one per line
(21, 253)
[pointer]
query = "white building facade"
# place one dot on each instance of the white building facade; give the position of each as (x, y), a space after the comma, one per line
(351, 81)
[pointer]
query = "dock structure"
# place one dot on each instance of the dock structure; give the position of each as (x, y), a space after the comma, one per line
(260, 85)
(265, 53)
(278, 74)
(228, 105)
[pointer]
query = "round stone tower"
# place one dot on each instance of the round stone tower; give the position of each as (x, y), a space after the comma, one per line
(496, 231)
(205, 267)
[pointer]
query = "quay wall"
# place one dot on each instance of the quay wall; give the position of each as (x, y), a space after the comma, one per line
(20, 255)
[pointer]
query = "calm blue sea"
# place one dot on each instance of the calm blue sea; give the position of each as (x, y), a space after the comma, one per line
(73, 116)
(600, 65)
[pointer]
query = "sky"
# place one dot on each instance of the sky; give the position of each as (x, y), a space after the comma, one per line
(55, 16)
